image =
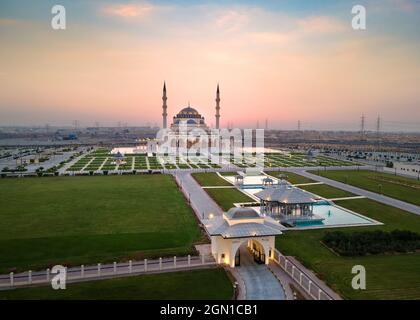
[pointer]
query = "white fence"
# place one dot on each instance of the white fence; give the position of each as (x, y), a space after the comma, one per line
(301, 278)
(105, 271)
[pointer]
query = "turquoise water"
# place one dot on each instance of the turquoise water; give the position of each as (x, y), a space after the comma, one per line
(334, 216)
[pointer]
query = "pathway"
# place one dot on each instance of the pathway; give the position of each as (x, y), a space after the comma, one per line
(361, 192)
(200, 200)
(259, 281)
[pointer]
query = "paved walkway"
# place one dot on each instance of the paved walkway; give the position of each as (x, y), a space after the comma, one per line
(259, 281)
(361, 192)
(200, 200)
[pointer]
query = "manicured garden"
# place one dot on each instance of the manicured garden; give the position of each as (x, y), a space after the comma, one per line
(397, 187)
(75, 220)
(226, 197)
(188, 285)
(327, 191)
(372, 242)
(293, 178)
(389, 276)
(207, 179)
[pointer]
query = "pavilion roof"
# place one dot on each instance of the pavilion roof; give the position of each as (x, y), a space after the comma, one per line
(242, 230)
(285, 194)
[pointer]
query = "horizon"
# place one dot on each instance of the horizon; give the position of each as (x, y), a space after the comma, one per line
(282, 61)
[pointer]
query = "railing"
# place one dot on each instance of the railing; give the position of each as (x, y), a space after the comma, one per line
(100, 271)
(301, 278)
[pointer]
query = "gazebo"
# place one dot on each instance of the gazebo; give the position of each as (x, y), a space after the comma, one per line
(287, 203)
(118, 158)
(267, 182)
(239, 179)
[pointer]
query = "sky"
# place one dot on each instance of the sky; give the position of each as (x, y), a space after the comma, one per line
(283, 61)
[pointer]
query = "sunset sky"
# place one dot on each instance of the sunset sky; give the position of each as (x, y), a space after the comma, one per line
(281, 60)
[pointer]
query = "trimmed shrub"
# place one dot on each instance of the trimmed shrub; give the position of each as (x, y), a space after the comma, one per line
(372, 242)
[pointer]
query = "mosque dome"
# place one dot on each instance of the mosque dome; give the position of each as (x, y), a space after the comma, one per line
(188, 112)
(190, 117)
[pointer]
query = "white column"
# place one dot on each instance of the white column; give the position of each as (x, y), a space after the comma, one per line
(160, 263)
(82, 271)
(115, 267)
(30, 276)
(319, 294)
(174, 261)
(293, 271)
(12, 282)
(309, 286)
(189, 260)
(300, 278)
(145, 265)
(99, 269)
(130, 266)
(202, 259)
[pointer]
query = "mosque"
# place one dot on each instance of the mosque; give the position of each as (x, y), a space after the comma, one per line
(188, 116)
(186, 121)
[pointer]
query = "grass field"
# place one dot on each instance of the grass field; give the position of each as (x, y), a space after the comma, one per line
(74, 220)
(388, 276)
(226, 197)
(397, 187)
(293, 178)
(213, 284)
(207, 179)
(327, 191)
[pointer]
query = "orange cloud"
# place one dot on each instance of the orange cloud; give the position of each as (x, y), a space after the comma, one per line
(321, 24)
(129, 10)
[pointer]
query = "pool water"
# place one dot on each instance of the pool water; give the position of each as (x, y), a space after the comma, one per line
(335, 216)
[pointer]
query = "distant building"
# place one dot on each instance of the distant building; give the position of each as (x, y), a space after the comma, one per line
(406, 168)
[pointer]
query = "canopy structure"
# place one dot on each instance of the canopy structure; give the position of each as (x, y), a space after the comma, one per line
(287, 203)
(243, 223)
(239, 226)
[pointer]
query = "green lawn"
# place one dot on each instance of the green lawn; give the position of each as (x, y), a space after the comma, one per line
(208, 179)
(327, 191)
(293, 178)
(74, 220)
(388, 276)
(213, 284)
(226, 197)
(401, 188)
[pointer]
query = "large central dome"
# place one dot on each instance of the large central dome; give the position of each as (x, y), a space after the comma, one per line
(190, 117)
(188, 112)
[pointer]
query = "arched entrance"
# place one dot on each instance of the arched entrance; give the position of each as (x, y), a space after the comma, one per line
(258, 250)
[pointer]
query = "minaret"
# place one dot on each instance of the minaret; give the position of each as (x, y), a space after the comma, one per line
(164, 106)
(217, 107)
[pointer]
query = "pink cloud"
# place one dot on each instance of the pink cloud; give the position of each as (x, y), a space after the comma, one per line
(321, 24)
(232, 20)
(129, 10)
